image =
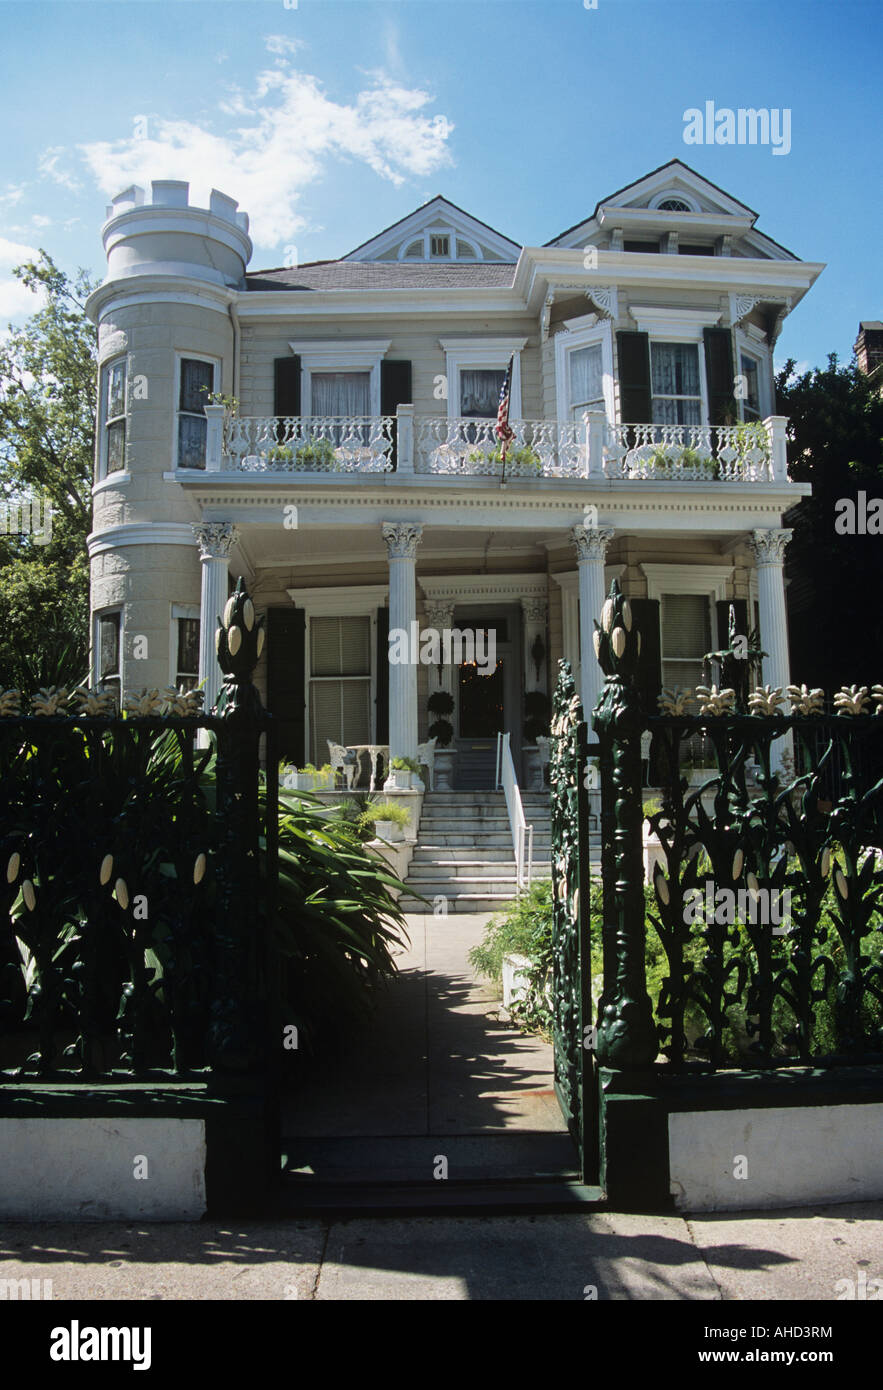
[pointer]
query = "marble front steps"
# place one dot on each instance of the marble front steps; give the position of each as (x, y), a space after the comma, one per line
(464, 855)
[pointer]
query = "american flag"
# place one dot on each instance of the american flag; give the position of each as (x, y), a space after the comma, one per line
(502, 429)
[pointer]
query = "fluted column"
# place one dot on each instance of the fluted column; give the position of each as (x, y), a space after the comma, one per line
(215, 540)
(769, 559)
(402, 539)
(591, 545)
(536, 612)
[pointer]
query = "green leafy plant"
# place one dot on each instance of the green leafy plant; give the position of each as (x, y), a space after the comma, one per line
(280, 453)
(317, 453)
(440, 702)
(389, 811)
(537, 709)
(221, 398)
(405, 765)
(442, 730)
(667, 459)
(525, 458)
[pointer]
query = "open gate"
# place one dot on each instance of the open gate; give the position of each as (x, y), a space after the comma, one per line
(572, 1028)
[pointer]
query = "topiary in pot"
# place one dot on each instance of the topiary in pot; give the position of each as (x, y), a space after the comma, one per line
(440, 703)
(442, 731)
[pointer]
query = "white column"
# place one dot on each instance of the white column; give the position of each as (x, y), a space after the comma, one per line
(405, 439)
(769, 557)
(591, 547)
(402, 539)
(535, 617)
(215, 540)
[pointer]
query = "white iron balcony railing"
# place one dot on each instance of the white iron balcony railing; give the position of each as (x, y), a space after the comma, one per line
(456, 447)
(292, 444)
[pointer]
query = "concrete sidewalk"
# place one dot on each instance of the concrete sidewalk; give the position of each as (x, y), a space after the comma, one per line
(775, 1256)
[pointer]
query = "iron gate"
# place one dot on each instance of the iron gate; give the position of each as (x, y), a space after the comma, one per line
(572, 1023)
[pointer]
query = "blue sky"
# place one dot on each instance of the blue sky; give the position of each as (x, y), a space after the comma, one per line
(328, 121)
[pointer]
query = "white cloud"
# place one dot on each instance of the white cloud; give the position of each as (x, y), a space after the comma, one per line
(289, 129)
(40, 221)
(48, 167)
(278, 43)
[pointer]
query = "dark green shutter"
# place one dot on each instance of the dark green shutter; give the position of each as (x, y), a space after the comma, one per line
(395, 390)
(633, 350)
(286, 386)
(719, 375)
(648, 676)
(285, 680)
(382, 698)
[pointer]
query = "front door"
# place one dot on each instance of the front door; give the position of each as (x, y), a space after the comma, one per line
(487, 692)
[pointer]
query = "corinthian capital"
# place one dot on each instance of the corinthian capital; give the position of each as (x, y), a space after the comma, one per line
(402, 539)
(215, 539)
(591, 542)
(769, 546)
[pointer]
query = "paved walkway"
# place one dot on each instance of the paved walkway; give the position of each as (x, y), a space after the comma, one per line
(776, 1256)
(437, 1062)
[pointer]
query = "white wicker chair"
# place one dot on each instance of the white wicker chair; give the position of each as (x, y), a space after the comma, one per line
(337, 756)
(426, 758)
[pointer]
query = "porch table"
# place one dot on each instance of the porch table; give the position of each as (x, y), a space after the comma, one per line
(374, 751)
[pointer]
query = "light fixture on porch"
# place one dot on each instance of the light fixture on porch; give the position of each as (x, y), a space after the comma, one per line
(538, 652)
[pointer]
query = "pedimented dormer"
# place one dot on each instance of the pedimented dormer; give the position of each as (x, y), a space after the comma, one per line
(673, 211)
(438, 231)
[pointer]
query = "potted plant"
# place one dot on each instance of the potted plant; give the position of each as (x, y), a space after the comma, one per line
(388, 818)
(441, 704)
(280, 453)
(668, 459)
(317, 453)
(521, 460)
(402, 771)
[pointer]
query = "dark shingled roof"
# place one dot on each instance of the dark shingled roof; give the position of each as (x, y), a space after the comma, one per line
(384, 275)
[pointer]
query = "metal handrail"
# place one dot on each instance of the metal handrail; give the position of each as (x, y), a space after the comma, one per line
(522, 833)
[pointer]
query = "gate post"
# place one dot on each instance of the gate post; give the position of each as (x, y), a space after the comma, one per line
(626, 1030)
(245, 1129)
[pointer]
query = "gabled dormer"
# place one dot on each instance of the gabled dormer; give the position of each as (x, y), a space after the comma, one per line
(438, 231)
(673, 211)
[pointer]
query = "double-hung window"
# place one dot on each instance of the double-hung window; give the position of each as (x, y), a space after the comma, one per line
(196, 381)
(586, 368)
(187, 662)
(676, 383)
(114, 411)
(480, 389)
(749, 370)
(340, 682)
(108, 644)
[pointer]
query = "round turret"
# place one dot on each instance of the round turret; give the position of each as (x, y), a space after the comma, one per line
(166, 236)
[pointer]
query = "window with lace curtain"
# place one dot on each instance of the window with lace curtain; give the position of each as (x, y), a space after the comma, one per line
(340, 393)
(340, 683)
(676, 384)
(686, 637)
(196, 381)
(480, 389)
(586, 380)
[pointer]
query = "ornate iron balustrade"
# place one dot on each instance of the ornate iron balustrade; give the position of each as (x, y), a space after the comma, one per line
(540, 448)
(768, 900)
(288, 444)
(689, 453)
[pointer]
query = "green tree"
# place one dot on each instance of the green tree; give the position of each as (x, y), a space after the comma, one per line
(835, 442)
(47, 432)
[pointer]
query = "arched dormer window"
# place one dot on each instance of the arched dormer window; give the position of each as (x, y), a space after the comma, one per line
(674, 202)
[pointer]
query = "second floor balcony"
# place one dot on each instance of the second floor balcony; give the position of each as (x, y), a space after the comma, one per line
(409, 445)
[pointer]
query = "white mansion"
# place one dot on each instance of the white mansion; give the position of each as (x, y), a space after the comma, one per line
(353, 477)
